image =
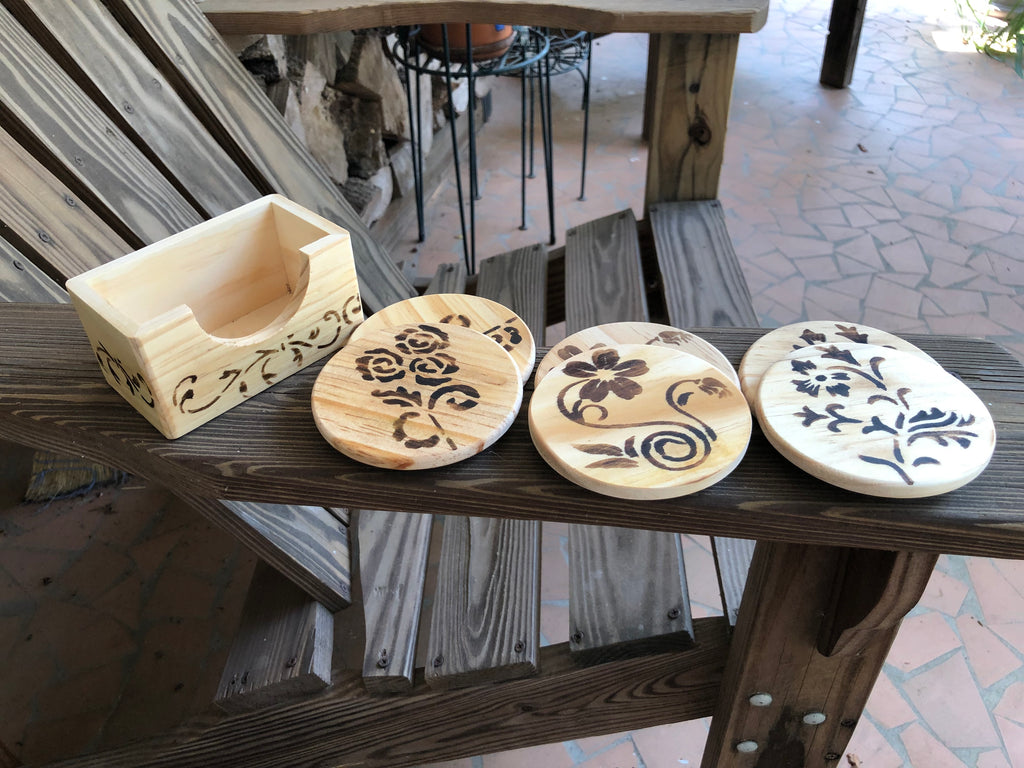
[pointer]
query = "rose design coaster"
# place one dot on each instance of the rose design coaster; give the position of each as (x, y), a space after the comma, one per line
(775, 345)
(639, 422)
(416, 396)
(875, 420)
(493, 320)
(611, 334)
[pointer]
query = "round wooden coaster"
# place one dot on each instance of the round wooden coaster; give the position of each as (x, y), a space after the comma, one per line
(416, 396)
(611, 334)
(639, 422)
(494, 320)
(776, 344)
(875, 420)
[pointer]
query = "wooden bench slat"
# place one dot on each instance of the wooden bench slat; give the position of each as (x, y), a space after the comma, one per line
(194, 58)
(732, 562)
(449, 278)
(139, 95)
(485, 620)
(518, 280)
(393, 553)
(282, 650)
(622, 583)
(21, 280)
(48, 107)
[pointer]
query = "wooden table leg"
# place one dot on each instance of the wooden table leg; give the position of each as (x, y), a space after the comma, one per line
(844, 27)
(689, 87)
(814, 629)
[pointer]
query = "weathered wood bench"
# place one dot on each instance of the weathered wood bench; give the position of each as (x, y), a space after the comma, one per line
(86, 89)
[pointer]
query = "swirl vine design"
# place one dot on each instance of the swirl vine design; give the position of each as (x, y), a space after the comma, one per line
(134, 383)
(196, 393)
(829, 381)
(418, 370)
(672, 445)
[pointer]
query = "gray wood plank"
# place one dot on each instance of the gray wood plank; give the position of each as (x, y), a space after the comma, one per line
(282, 650)
(21, 280)
(616, 607)
(91, 44)
(47, 107)
(176, 35)
(485, 620)
(393, 550)
(732, 562)
(518, 280)
(449, 278)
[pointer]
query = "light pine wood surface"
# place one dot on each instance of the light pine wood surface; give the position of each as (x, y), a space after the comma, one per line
(875, 420)
(640, 422)
(610, 334)
(415, 397)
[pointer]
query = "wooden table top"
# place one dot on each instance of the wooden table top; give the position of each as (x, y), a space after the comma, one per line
(52, 395)
(237, 17)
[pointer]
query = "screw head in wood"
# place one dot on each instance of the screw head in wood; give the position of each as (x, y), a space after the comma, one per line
(520, 646)
(438, 660)
(673, 613)
(761, 700)
(577, 637)
(814, 718)
(746, 747)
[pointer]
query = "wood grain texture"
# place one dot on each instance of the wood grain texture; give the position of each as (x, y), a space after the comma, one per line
(53, 396)
(620, 614)
(774, 650)
(732, 561)
(55, 228)
(485, 619)
(518, 280)
(346, 725)
(692, 87)
(282, 650)
(239, 115)
(137, 93)
(284, 17)
(49, 108)
(603, 280)
(700, 272)
(393, 548)
(449, 278)
(21, 280)
(844, 26)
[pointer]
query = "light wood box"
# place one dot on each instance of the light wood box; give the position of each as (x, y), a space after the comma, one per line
(193, 325)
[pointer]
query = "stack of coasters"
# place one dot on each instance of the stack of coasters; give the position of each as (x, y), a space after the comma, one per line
(640, 420)
(425, 382)
(866, 411)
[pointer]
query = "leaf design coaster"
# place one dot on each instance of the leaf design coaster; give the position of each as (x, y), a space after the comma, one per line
(875, 420)
(776, 344)
(639, 422)
(416, 396)
(611, 334)
(496, 321)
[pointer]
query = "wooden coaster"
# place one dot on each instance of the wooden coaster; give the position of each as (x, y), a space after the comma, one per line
(875, 420)
(490, 318)
(611, 334)
(775, 345)
(639, 422)
(416, 396)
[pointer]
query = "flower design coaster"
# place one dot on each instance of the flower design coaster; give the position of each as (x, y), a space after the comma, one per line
(494, 320)
(639, 422)
(875, 420)
(775, 345)
(416, 396)
(611, 334)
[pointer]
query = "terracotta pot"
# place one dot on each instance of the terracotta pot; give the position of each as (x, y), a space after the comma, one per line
(489, 40)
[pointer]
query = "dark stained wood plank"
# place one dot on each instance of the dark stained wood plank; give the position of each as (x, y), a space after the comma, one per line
(282, 650)
(52, 395)
(485, 619)
(305, 543)
(287, 17)
(91, 44)
(701, 275)
(518, 280)
(393, 549)
(844, 26)
(449, 278)
(53, 226)
(603, 280)
(692, 86)
(21, 280)
(194, 58)
(347, 726)
(48, 108)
